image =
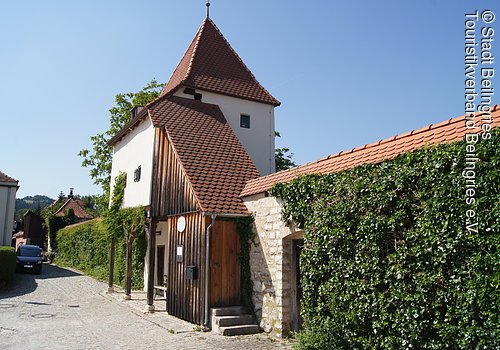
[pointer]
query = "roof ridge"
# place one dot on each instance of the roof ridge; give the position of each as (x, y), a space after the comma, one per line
(195, 40)
(195, 51)
(410, 134)
(239, 58)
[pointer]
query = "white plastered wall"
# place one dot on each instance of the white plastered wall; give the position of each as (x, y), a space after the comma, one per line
(161, 239)
(134, 150)
(7, 209)
(258, 140)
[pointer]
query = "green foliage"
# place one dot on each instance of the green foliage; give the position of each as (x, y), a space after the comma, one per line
(92, 204)
(7, 263)
(99, 158)
(388, 262)
(246, 233)
(54, 224)
(283, 157)
(85, 247)
(112, 216)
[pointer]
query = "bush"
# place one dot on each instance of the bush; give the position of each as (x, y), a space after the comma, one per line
(85, 247)
(389, 262)
(7, 263)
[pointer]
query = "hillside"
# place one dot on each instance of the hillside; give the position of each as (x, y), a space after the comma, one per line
(32, 203)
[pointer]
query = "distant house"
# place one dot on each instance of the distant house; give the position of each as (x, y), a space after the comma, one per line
(33, 230)
(8, 189)
(74, 207)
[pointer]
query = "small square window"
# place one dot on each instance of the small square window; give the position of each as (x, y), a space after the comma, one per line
(245, 121)
(137, 174)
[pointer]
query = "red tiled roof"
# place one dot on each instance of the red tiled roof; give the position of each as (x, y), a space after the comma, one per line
(6, 178)
(211, 155)
(211, 64)
(77, 206)
(444, 132)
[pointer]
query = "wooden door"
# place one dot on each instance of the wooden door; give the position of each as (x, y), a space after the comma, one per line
(297, 245)
(224, 264)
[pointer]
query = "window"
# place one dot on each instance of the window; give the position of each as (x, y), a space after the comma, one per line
(245, 121)
(137, 174)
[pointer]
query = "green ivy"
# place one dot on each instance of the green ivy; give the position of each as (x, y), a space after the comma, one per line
(388, 262)
(246, 233)
(86, 246)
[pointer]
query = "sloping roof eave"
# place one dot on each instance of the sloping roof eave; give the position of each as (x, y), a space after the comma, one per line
(453, 129)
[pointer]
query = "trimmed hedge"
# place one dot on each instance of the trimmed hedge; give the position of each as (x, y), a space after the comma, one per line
(85, 247)
(388, 262)
(7, 263)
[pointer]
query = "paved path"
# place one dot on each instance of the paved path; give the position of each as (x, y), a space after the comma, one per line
(62, 309)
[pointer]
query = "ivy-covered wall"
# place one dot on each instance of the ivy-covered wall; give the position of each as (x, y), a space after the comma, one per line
(388, 262)
(86, 247)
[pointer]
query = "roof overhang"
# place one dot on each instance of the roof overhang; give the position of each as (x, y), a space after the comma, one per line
(128, 127)
(9, 184)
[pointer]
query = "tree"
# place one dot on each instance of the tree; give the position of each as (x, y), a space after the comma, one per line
(99, 158)
(283, 157)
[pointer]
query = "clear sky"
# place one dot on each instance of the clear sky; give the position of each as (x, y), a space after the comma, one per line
(347, 72)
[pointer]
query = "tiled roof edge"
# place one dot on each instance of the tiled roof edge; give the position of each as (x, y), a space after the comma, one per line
(196, 39)
(276, 101)
(364, 147)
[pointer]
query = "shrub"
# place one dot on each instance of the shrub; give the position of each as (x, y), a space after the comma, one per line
(389, 262)
(7, 263)
(85, 247)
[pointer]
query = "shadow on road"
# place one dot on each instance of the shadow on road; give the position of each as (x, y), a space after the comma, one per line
(25, 283)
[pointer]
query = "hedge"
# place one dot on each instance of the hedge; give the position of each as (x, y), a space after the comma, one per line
(7, 263)
(85, 247)
(388, 262)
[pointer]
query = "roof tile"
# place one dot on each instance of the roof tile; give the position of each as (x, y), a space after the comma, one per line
(213, 158)
(211, 64)
(6, 178)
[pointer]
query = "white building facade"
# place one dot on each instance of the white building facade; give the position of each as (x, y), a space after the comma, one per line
(8, 190)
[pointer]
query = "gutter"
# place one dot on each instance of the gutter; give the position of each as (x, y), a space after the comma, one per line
(207, 268)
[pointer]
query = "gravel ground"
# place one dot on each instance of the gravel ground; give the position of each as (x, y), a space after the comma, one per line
(63, 309)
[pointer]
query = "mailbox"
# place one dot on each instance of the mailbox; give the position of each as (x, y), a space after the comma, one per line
(192, 272)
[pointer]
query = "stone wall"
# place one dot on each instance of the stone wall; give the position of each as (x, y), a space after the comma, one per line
(271, 265)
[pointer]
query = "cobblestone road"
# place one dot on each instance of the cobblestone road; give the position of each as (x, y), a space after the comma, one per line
(62, 309)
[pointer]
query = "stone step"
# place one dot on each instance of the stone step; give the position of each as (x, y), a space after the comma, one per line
(225, 321)
(227, 311)
(239, 330)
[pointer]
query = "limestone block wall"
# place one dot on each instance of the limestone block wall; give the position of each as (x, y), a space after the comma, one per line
(271, 266)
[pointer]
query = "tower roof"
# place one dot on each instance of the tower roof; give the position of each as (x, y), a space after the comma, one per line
(211, 64)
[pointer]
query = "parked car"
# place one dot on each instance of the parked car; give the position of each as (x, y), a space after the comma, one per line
(29, 258)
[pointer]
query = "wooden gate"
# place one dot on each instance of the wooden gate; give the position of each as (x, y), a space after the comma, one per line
(224, 264)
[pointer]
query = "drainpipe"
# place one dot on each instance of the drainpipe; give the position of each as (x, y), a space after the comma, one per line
(207, 269)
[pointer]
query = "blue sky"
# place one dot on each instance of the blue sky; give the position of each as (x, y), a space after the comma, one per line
(347, 72)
